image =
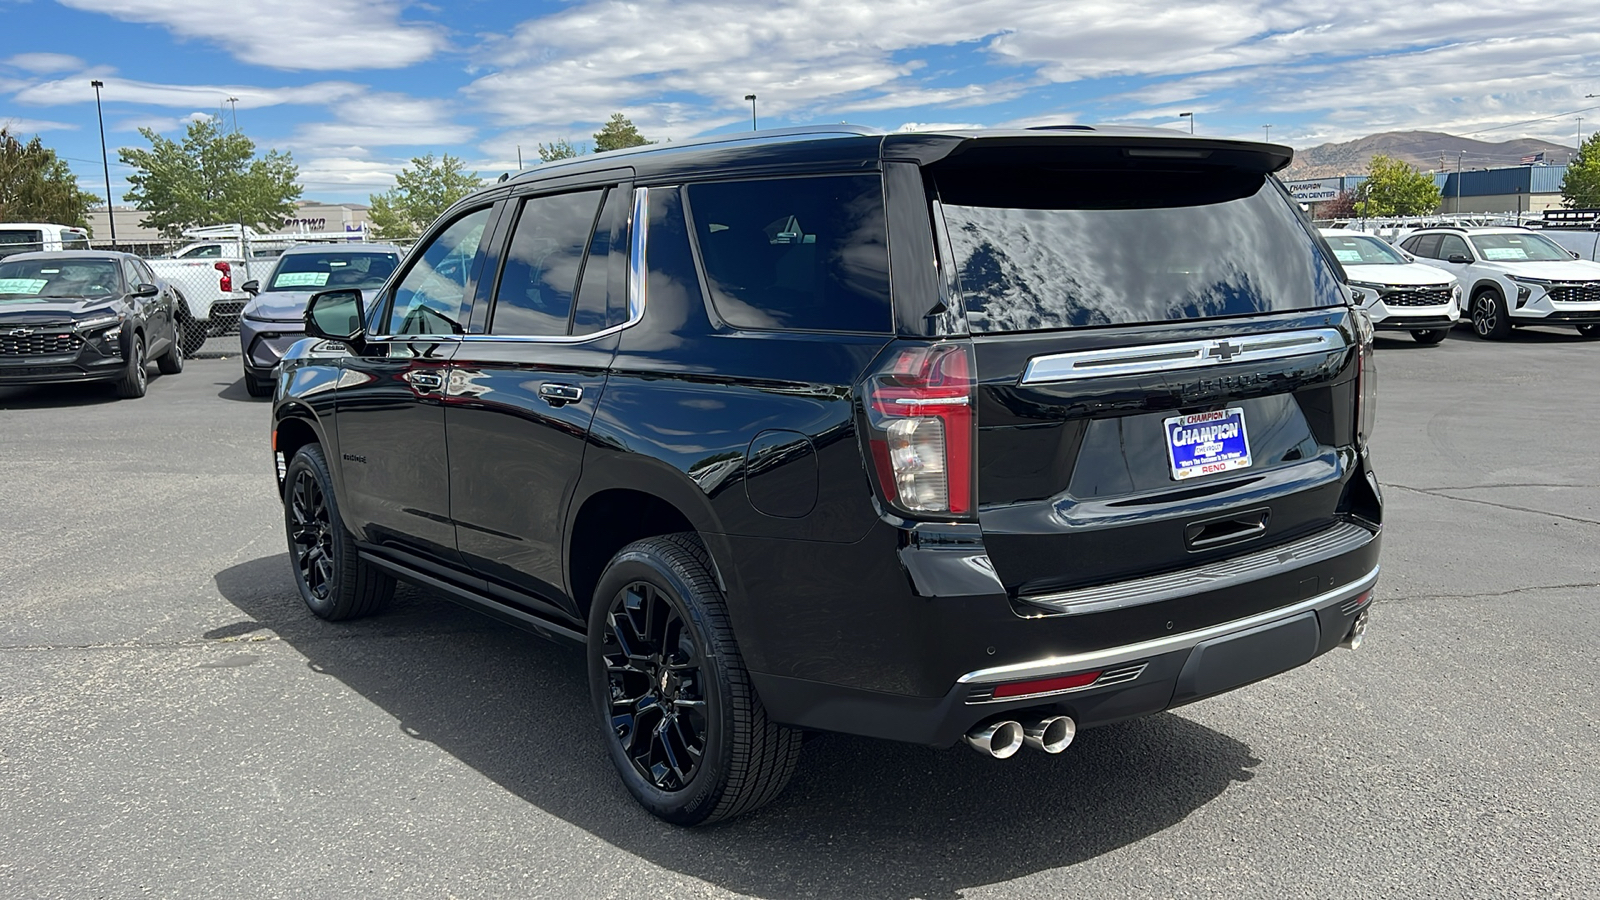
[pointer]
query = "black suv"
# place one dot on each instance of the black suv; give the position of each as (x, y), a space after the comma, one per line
(982, 436)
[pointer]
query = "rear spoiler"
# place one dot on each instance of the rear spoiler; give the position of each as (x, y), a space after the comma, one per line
(1093, 148)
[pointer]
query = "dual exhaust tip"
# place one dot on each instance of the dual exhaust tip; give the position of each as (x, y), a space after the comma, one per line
(1002, 738)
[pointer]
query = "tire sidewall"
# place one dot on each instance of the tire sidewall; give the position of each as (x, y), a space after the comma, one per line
(309, 458)
(704, 790)
(1496, 307)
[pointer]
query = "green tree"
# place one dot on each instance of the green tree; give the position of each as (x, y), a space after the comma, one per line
(560, 148)
(37, 186)
(1342, 206)
(1580, 187)
(618, 132)
(214, 177)
(1395, 188)
(421, 193)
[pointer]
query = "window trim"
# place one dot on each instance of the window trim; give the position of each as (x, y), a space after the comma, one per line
(637, 288)
(503, 257)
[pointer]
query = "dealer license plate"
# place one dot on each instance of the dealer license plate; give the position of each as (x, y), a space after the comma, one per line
(1207, 443)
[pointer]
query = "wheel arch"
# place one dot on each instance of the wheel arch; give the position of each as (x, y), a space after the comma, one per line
(292, 429)
(1492, 284)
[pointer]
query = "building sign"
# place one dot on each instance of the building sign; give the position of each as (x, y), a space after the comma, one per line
(1314, 191)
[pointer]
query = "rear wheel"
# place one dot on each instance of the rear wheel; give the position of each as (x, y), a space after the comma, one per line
(1429, 335)
(683, 725)
(257, 387)
(1589, 331)
(135, 379)
(171, 362)
(1489, 318)
(333, 581)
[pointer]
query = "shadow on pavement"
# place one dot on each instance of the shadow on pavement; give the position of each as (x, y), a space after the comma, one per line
(862, 817)
(235, 391)
(57, 395)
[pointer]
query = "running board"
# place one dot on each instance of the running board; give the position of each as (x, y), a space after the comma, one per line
(475, 601)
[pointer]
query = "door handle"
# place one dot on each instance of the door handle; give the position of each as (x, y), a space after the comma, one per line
(425, 381)
(559, 395)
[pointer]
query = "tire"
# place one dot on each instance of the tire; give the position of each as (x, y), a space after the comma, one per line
(1490, 320)
(256, 387)
(1430, 335)
(135, 379)
(1589, 331)
(667, 680)
(333, 581)
(171, 362)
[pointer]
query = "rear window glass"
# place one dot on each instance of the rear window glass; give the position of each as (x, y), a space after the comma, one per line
(806, 254)
(1039, 249)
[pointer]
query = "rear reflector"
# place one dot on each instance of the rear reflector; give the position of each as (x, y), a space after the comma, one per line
(1045, 685)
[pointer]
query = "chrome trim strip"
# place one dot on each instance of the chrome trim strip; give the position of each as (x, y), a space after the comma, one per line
(1151, 358)
(1063, 665)
(638, 282)
(1222, 574)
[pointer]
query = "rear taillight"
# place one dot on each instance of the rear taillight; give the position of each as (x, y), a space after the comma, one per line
(919, 409)
(1366, 379)
(224, 284)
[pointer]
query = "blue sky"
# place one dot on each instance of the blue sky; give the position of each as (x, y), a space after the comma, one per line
(354, 88)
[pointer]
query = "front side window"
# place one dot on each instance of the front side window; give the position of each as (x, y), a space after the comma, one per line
(542, 263)
(1451, 245)
(333, 269)
(429, 299)
(1362, 250)
(808, 254)
(1038, 248)
(1519, 248)
(130, 272)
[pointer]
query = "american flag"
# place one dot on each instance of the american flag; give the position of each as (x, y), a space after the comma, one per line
(1532, 158)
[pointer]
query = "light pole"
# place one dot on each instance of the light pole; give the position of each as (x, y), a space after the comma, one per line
(1580, 132)
(752, 99)
(233, 103)
(1190, 117)
(1268, 130)
(1458, 181)
(105, 161)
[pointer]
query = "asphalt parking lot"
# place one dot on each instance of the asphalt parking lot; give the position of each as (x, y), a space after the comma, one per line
(174, 724)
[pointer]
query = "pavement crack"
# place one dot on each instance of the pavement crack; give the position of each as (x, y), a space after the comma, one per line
(1438, 492)
(1490, 595)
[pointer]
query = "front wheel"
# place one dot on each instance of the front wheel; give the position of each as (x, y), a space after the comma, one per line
(1589, 331)
(333, 581)
(1489, 318)
(1429, 335)
(135, 379)
(683, 725)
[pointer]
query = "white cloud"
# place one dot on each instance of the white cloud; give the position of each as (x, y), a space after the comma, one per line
(44, 63)
(77, 90)
(20, 127)
(386, 120)
(290, 34)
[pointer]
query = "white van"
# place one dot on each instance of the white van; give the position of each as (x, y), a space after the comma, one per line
(26, 237)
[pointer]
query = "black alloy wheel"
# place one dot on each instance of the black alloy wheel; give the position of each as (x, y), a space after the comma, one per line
(1489, 318)
(1429, 335)
(333, 580)
(1589, 331)
(657, 688)
(135, 380)
(682, 722)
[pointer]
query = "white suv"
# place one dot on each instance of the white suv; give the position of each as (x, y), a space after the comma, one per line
(1397, 293)
(1514, 276)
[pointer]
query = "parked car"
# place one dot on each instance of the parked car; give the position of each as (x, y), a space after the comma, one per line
(1514, 277)
(39, 237)
(274, 318)
(1397, 293)
(891, 435)
(1584, 243)
(85, 315)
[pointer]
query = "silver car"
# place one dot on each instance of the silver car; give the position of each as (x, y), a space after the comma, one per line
(274, 318)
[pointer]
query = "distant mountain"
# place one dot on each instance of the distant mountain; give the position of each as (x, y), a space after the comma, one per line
(1430, 151)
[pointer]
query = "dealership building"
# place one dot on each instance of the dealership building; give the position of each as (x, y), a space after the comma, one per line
(1515, 189)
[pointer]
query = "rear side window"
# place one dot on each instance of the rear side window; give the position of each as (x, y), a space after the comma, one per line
(542, 264)
(1038, 249)
(806, 254)
(1425, 245)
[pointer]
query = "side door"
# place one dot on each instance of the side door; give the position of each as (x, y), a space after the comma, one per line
(390, 399)
(165, 320)
(523, 393)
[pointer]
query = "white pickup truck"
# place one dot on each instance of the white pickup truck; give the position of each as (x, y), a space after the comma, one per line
(208, 274)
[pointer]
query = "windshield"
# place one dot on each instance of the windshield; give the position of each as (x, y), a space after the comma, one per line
(1363, 250)
(1519, 248)
(1043, 249)
(334, 269)
(30, 278)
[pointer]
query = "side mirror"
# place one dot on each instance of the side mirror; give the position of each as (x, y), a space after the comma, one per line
(1575, 254)
(1458, 259)
(146, 290)
(251, 287)
(336, 316)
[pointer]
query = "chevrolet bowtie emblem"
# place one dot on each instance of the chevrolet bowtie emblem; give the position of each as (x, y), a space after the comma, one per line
(22, 332)
(1224, 351)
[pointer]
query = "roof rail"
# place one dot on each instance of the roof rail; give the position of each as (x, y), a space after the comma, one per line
(843, 129)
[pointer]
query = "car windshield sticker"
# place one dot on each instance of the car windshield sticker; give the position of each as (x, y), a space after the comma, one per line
(301, 279)
(1505, 253)
(1347, 256)
(1206, 443)
(22, 285)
